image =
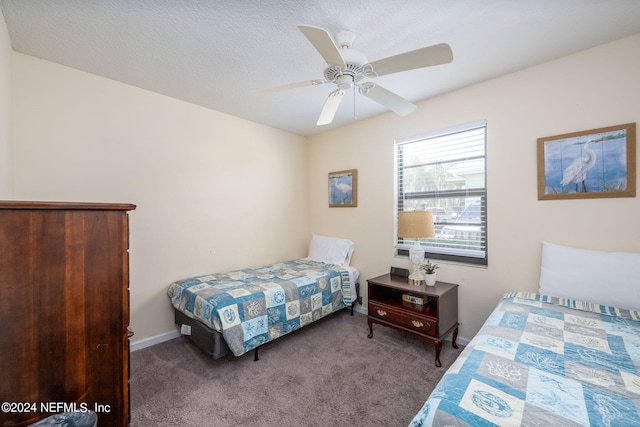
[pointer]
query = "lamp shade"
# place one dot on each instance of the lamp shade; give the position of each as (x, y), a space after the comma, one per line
(415, 224)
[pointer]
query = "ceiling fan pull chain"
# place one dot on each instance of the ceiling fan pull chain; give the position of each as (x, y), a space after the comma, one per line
(354, 118)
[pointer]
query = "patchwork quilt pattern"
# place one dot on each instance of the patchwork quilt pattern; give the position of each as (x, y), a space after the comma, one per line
(253, 306)
(543, 361)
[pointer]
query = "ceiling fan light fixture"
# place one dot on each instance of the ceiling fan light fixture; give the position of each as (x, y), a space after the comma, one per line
(332, 73)
(344, 82)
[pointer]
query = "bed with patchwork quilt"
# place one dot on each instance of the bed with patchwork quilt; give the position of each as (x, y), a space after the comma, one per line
(251, 307)
(543, 358)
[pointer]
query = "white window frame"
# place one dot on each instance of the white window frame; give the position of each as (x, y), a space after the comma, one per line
(466, 246)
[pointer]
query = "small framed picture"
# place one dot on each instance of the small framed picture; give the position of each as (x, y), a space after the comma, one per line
(343, 189)
(589, 164)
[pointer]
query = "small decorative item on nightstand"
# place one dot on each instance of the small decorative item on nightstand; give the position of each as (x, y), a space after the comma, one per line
(430, 271)
(414, 299)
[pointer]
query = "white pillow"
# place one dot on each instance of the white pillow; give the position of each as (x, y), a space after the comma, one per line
(608, 278)
(331, 250)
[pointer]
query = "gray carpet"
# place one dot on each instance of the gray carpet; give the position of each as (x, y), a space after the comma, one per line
(325, 374)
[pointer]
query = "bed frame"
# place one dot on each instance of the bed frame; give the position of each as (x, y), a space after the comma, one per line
(211, 342)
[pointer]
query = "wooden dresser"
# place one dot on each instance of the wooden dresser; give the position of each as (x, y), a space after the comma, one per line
(64, 311)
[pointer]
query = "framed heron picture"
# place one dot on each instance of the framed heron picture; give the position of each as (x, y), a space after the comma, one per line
(343, 189)
(589, 164)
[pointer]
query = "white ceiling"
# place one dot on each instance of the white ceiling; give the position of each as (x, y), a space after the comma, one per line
(215, 52)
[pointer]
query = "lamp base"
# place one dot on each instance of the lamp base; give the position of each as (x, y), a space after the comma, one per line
(417, 282)
(417, 277)
(416, 256)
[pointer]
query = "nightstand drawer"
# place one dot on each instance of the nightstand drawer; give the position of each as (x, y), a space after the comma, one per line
(404, 318)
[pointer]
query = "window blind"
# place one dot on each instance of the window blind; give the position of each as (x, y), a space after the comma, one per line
(445, 172)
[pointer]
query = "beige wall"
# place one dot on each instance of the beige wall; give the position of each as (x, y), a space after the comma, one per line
(213, 192)
(592, 89)
(209, 185)
(6, 165)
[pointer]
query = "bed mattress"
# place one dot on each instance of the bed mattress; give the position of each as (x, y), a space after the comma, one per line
(253, 306)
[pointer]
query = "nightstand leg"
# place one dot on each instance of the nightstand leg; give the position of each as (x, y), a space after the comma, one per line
(370, 328)
(455, 337)
(438, 347)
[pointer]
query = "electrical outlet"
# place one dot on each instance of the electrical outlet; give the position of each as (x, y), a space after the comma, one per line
(185, 329)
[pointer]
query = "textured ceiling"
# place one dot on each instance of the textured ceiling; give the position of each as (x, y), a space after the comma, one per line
(214, 53)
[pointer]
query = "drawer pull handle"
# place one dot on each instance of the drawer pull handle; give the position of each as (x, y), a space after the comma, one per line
(417, 324)
(382, 313)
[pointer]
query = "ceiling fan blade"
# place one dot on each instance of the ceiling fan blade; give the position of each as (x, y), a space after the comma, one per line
(324, 44)
(286, 87)
(426, 57)
(393, 102)
(330, 107)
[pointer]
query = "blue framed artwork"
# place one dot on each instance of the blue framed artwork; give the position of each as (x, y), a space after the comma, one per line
(588, 164)
(343, 189)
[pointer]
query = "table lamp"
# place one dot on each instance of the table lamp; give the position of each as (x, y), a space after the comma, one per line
(416, 225)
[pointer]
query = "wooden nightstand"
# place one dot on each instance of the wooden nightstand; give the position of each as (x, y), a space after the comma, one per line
(431, 321)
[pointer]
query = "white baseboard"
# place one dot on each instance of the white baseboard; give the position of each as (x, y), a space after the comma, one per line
(148, 342)
(461, 340)
(360, 309)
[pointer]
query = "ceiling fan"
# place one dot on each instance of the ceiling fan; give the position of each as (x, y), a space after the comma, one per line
(347, 68)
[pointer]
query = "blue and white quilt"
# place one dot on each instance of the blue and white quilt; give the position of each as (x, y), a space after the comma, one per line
(253, 306)
(544, 361)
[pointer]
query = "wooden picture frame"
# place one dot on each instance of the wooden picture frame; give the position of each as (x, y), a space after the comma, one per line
(343, 189)
(594, 163)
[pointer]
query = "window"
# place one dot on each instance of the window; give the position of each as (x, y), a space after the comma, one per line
(444, 172)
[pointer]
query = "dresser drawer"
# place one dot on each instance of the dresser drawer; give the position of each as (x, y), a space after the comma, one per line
(406, 318)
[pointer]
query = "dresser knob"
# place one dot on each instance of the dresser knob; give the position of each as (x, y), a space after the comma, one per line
(382, 313)
(417, 324)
